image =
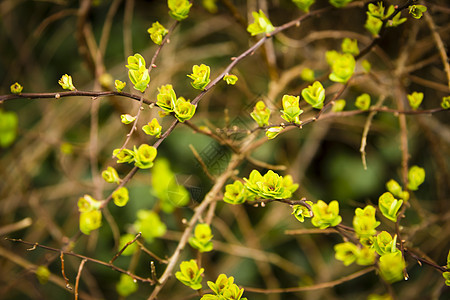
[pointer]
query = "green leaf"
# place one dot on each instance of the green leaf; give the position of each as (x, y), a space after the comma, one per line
(384, 243)
(138, 72)
(16, 88)
(144, 156)
(150, 225)
(307, 74)
(261, 114)
(230, 79)
(127, 118)
(124, 155)
(200, 76)
(261, 24)
(338, 105)
(395, 189)
(166, 98)
(416, 11)
(416, 176)
(157, 32)
(395, 21)
(119, 85)
(389, 206)
(363, 101)
(326, 215)
(190, 275)
(90, 220)
(236, 193)
(42, 274)
(210, 6)
(224, 289)
(391, 266)
(66, 82)
(304, 4)
(87, 203)
(342, 67)
(314, 95)
(415, 99)
(291, 110)
(373, 25)
(153, 128)
(346, 252)
(448, 260)
(110, 175)
(446, 276)
(350, 46)
(445, 104)
(126, 285)
(366, 66)
(339, 3)
(120, 197)
(166, 188)
(202, 238)
(8, 128)
(184, 110)
(364, 222)
(376, 11)
(270, 186)
(301, 212)
(179, 9)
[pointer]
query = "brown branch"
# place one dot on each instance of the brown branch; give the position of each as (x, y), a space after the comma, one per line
(115, 268)
(77, 281)
(125, 247)
(63, 272)
(57, 95)
(318, 286)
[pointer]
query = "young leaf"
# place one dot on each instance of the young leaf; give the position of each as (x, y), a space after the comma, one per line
(261, 114)
(389, 206)
(200, 75)
(190, 275)
(415, 99)
(153, 128)
(230, 79)
(16, 88)
(66, 82)
(261, 24)
(184, 110)
(416, 176)
(314, 95)
(126, 285)
(144, 156)
(8, 128)
(110, 175)
(120, 196)
(157, 32)
(179, 9)
(326, 215)
(304, 4)
(363, 102)
(149, 224)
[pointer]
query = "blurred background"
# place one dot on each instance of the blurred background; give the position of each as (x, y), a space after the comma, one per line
(62, 145)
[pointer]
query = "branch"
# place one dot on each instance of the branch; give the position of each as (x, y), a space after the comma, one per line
(311, 287)
(120, 270)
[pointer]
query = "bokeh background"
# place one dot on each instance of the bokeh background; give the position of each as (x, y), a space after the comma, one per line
(50, 164)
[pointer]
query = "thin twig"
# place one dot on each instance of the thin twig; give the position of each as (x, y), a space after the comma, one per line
(115, 268)
(362, 149)
(125, 247)
(312, 287)
(201, 162)
(63, 272)
(77, 281)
